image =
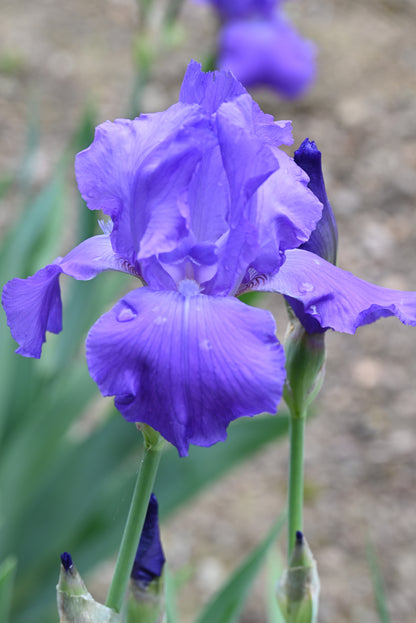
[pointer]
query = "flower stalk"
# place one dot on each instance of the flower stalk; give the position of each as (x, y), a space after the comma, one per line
(295, 493)
(305, 365)
(135, 520)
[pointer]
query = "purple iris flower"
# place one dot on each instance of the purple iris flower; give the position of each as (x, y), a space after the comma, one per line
(268, 52)
(202, 206)
(149, 560)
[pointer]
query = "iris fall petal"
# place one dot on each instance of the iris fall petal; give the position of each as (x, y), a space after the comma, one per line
(185, 363)
(33, 305)
(324, 296)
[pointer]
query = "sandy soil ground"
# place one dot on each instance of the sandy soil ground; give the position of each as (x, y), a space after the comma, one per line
(360, 455)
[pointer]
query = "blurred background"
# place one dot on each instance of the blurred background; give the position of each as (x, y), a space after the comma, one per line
(65, 66)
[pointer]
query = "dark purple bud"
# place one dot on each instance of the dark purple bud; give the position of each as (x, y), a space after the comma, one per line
(299, 537)
(150, 559)
(324, 239)
(66, 561)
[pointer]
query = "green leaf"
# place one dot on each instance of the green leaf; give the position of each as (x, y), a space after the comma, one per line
(7, 573)
(227, 605)
(80, 506)
(378, 584)
(203, 466)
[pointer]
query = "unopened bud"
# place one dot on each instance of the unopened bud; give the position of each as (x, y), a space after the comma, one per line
(305, 367)
(298, 590)
(323, 241)
(145, 595)
(75, 604)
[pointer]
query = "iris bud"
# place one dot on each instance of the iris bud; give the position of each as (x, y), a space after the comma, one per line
(145, 595)
(324, 239)
(305, 366)
(298, 590)
(75, 604)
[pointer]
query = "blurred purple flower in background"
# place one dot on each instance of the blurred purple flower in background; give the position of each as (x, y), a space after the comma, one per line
(232, 9)
(203, 206)
(261, 47)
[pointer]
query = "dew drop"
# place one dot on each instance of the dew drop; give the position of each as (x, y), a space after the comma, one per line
(126, 314)
(160, 320)
(306, 287)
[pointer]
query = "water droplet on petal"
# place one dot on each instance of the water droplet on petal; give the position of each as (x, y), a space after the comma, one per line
(126, 314)
(306, 287)
(160, 320)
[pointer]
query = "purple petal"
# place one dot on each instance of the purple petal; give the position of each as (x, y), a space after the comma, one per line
(137, 171)
(324, 296)
(268, 52)
(248, 161)
(209, 198)
(33, 305)
(324, 239)
(93, 256)
(287, 213)
(287, 210)
(209, 90)
(149, 560)
(186, 364)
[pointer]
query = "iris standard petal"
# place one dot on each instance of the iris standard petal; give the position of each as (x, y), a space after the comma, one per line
(185, 363)
(33, 305)
(287, 210)
(209, 198)
(287, 213)
(248, 161)
(208, 90)
(324, 296)
(136, 171)
(268, 52)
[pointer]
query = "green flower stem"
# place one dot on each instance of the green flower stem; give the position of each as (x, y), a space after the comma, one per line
(134, 525)
(295, 501)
